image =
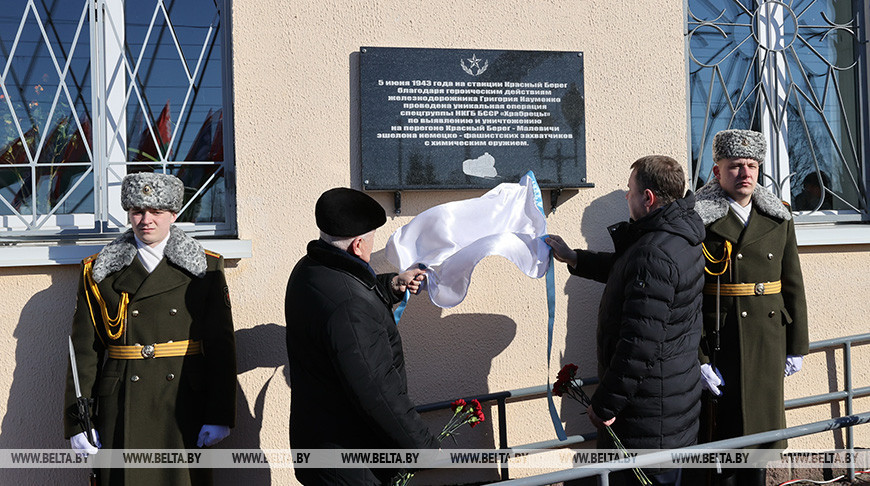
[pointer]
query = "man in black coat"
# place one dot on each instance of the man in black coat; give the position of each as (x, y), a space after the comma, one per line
(347, 370)
(649, 319)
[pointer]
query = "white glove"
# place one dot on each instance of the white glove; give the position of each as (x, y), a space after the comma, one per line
(793, 363)
(81, 446)
(210, 435)
(712, 379)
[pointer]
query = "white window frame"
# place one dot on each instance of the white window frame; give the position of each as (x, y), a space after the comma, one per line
(814, 228)
(50, 242)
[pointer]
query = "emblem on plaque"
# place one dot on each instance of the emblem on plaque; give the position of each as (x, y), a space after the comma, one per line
(474, 67)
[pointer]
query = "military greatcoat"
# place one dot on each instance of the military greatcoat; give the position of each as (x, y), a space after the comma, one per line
(756, 331)
(160, 402)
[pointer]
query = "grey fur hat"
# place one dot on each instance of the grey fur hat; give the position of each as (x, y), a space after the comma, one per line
(742, 144)
(152, 190)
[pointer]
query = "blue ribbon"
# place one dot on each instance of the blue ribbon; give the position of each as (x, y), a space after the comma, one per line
(400, 309)
(551, 314)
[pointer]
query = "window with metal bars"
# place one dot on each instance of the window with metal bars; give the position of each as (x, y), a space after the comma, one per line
(91, 90)
(796, 71)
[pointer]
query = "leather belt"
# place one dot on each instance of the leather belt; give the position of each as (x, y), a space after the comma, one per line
(744, 289)
(157, 350)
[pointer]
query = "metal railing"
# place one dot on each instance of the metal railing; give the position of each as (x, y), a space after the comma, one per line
(603, 470)
(519, 394)
(848, 394)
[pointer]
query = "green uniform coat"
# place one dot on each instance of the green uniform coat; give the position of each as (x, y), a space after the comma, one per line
(157, 403)
(756, 331)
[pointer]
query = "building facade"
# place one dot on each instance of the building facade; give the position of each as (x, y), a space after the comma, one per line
(255, 105)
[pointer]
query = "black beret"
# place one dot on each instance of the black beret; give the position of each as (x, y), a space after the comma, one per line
(347, 212)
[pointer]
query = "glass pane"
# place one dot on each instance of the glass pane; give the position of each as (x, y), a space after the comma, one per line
(788, 69)
(723, 55)
(15, 190)
(66, 141)
(30, 73)
(66, 189)
(49, 102)
(204, 185)
(56, 187)
(823, 152)
(184, 115)
(208, 205)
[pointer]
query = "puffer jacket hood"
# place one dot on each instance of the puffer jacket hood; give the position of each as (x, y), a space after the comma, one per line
(678, 218)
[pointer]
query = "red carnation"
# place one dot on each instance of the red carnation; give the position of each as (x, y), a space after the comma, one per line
(458, 404)
(559, 388)
(568, 372)
(476, 406)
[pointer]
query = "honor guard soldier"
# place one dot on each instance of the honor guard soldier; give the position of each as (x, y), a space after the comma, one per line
(755, 311)
(346, 361)
(153, 340)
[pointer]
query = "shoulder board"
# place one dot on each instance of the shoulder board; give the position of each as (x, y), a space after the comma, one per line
(90, 259)
(212, 254)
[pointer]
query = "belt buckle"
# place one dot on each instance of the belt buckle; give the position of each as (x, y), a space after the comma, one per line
(759, 289)
(148, 351)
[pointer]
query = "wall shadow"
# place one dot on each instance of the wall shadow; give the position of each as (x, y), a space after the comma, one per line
(262, 346)
(354, 121)
(33, 418)
(450, 357)
(583, 299)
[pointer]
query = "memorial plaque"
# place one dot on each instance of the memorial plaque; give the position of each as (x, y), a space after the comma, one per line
(470, 118)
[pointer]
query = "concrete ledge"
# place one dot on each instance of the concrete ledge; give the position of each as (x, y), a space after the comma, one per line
(32, 255)
(832, 234)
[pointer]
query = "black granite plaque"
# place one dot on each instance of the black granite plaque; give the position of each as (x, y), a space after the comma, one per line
(470, 118)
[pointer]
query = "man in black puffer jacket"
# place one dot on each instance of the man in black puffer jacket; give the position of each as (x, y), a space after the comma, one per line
(347, 370)
(649, 320)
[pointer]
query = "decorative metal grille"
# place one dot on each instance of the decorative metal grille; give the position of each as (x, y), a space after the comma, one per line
(788, 69)
(95, 89)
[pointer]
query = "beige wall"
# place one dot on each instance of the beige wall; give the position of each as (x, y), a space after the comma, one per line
(836, 285)
(293, 113)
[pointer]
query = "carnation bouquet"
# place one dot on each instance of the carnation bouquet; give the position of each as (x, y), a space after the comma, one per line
(463, 413)
(566, 385)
